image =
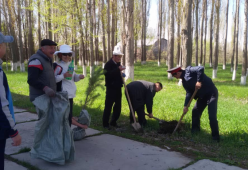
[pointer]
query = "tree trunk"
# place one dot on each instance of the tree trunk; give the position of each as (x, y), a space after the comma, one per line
(160, 31)
(30, 33)
(108, 31)
(113, 24)
(104, 55)
(225, 40)
(244, 61)
(14, 46)
(234, 41)
(205, 36)
(39, 30)
(202, 25)
(22, 66)
(186, 34)
(196, 31)
(211, 35)
(216, 39)
(171, 39)
(179, 59)
(123, 34)
(142, 31)
(237, 41)
(91, 39)
(129, 43)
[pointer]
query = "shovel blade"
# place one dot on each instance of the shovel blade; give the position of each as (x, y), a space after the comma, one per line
(136, 126)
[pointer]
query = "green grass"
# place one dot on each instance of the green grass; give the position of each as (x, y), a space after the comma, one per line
(168, 105)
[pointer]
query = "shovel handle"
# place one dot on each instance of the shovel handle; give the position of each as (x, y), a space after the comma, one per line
(128, 98)
(184, 113)
(153, 117)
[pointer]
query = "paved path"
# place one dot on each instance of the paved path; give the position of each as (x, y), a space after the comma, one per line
(104, 151)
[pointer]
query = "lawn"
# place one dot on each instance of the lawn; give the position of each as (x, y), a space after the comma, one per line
(168, 105)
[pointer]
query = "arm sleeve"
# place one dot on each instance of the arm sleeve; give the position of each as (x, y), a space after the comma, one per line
(34, 70)
(149, 101)
(7, 123)
(58, 75)
(76, 77)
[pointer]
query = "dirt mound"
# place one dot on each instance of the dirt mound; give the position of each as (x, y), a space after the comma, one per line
(168, 127)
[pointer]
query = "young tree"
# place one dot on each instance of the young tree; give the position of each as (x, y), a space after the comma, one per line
(225, 40)
(237, 41)
(244, 61)
(179, 59)
(216, 38)
(108, 31)
(171, 38)
(186, 34)
(234, 40)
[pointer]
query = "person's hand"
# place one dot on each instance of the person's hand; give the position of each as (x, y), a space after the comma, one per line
(17, 140)
(185, 109)
(150, 115)
(122, 68)
(81, 76)
(48, 91)
(67, 74)
(198, 85)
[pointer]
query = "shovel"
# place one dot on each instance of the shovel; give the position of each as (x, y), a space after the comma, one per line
(135, 125)
(184, 112)
(160, 121)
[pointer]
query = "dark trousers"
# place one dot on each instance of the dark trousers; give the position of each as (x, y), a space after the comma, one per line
(141, 115)
(200, 105)
(113, 96)
(71, 109)
(2, 150)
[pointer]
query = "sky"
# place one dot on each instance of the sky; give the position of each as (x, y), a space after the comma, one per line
(153, 18)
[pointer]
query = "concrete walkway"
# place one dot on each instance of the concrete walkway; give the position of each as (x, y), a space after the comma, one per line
(104, 151)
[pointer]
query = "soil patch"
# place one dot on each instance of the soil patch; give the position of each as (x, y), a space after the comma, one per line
(169, 126)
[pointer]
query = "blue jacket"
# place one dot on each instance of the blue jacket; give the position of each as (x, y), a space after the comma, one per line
(190, 76)
(7, 122)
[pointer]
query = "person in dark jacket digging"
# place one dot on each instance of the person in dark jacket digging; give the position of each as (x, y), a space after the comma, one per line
(113, 83)
(207, 95)
(141, 93)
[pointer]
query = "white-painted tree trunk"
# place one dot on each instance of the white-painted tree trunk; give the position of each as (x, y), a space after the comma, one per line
(84, 71)
(80, 62)
(180, 82)
(243, 80)
(210, 64)
(224, 66)
(103, 64)
(199, 64)
(214, 76)
(22, 67)
(14, 66)
(234, 75)
(75, 67)
(129, 73)
(170, 76)
(247, 72)
(231, 69)
(158, 63)
(91, 71)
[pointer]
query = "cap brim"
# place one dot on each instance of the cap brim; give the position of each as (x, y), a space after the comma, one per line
(8, 39)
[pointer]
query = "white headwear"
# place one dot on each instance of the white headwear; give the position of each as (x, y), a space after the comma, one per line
(64, 49)
(117, 50)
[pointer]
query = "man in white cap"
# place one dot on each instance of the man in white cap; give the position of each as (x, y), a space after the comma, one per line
(7, 125)
(113, 83)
